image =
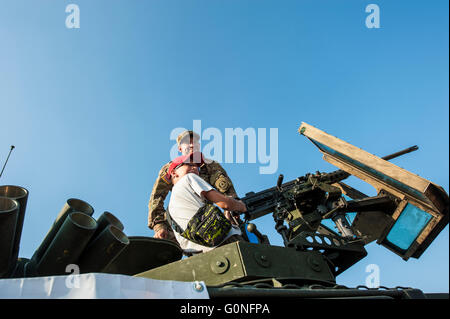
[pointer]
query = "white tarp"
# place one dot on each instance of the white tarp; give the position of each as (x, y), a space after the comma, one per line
(100, 286)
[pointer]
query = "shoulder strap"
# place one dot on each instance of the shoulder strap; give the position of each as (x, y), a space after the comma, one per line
(173, 223)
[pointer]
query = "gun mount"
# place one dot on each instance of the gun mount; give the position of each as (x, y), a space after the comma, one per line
(304, 202)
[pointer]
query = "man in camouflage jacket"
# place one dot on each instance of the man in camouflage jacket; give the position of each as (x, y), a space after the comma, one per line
(212, 172)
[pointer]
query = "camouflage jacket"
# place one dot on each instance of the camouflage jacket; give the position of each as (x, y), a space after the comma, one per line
(213, 173)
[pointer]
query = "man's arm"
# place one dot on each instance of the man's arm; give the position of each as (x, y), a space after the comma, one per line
(156, 211)
(219, 179)
(224, 202)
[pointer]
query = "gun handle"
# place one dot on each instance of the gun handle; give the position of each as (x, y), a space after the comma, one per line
(263, 239)
(280, 181)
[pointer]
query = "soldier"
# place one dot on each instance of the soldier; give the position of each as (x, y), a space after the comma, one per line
(212, 172)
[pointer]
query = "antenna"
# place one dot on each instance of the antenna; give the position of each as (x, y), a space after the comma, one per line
(1, 173)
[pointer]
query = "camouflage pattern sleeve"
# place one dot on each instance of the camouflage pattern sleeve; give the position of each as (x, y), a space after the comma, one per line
(218, 178)
(156, 211)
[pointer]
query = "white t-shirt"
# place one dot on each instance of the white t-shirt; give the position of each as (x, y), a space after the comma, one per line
(185, 200)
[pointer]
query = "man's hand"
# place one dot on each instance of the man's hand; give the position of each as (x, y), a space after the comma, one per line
(242, 206)
(235, 220)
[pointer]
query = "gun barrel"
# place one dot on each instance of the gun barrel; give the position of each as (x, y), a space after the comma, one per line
(340, 175)
(400, 153)
(264, 202)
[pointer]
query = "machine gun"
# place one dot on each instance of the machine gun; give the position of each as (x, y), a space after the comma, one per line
(405, 216)
(306, 200)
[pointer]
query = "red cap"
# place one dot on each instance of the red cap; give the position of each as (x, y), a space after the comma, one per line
(196, 157)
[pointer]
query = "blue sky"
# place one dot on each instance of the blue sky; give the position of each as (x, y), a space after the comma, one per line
(90, 110)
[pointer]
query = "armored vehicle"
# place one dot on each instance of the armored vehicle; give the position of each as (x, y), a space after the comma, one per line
(405, 216)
